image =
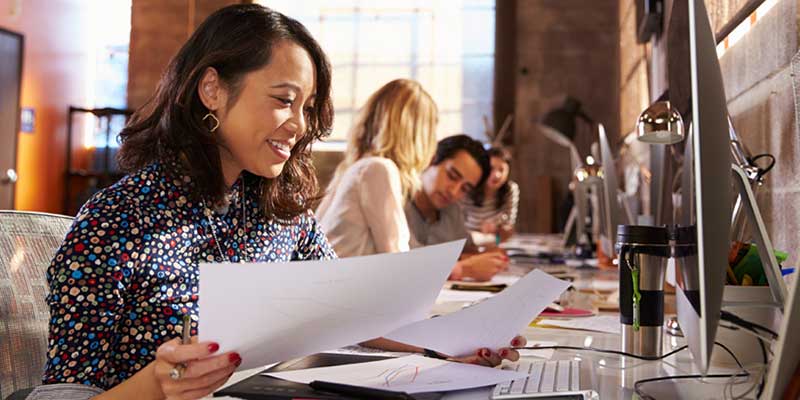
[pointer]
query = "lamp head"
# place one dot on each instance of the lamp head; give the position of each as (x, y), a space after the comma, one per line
(562, 119)
(661, 123)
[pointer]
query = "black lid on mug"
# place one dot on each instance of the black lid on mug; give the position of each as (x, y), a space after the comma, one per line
(684, 235)
(642, 235)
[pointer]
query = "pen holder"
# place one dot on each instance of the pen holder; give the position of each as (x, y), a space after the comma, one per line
(756, 310)
(643, 254)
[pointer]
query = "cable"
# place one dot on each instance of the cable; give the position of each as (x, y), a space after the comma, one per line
(617, 352)
(621, 353)
(637, 384)
(730, 353)
(762, 171)
(764, 354)
(735, 319)
(752, 333)
(643, 395)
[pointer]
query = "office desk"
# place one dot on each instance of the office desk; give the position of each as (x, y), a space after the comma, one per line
(612, 376)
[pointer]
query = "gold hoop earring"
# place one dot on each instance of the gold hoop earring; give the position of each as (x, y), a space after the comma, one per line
(216, 121)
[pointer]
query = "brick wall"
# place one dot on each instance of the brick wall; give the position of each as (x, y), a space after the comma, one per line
(158, 30)
(563, 47)
(758, 83)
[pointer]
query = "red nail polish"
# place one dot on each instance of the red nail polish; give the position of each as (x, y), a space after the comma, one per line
(503, 353)
(213, 347)
(515, 342)
(486, 353)
(235, 358)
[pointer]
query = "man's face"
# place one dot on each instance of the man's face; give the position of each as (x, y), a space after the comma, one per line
(451, 180)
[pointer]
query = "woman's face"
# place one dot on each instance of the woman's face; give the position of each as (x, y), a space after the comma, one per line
(258, 131)
(499, 174)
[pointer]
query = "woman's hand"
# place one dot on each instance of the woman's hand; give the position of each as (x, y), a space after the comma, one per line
(481, 267)
(489, 226)
(204, 371)
(489, 358)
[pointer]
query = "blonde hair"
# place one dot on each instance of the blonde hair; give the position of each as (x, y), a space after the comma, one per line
(398, 122)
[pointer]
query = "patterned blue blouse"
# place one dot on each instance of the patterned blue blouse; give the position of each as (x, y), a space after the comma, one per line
(128, 269)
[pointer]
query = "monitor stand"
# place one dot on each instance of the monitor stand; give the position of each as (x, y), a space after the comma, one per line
(772, 269)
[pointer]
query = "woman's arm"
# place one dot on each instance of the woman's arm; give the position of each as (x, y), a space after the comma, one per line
(204, 373)
(511, 204)
(88, 281)
(142, 385)
(481, 356)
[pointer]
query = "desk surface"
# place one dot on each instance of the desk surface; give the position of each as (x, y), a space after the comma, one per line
(612, 376)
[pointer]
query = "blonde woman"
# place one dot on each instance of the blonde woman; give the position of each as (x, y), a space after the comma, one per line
(391, 142)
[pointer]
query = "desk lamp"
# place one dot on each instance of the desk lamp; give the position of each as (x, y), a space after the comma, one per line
(660, 124)
(559, 126)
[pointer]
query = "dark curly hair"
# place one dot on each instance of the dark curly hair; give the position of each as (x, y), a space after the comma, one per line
(478, 196)
(235, 41)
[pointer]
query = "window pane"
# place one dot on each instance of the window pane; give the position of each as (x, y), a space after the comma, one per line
(478, 78)
(371, 78)
(343, 87)
(443, 82)
(478, 30)
(338, 38)
(447, 45)
(386, 38)
(341, 126)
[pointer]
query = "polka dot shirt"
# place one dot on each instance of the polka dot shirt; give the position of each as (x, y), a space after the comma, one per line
(128, 269)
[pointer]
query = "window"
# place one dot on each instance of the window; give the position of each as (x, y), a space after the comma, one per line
(446, 45)
(108, 65)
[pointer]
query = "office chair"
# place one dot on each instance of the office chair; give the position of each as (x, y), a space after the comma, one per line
(28, 241)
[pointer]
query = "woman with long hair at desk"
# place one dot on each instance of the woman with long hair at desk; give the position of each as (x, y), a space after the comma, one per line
(392, 140)
(219, 171)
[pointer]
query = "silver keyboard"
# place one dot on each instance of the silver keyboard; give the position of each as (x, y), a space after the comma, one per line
(544, 377)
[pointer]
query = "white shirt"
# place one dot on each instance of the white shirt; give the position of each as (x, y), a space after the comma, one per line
(362, 213)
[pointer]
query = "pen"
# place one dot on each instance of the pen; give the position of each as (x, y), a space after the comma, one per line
(186, 336)
(494, 288)
(359, 391)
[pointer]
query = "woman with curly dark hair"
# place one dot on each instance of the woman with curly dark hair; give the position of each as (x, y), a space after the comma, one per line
(219, 171)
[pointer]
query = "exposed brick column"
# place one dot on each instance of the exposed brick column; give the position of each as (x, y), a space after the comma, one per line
(563, 47)
(158, 29)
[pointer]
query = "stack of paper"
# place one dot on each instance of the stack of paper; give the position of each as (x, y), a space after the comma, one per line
(410, 374)
(271, 312)
(491, 323)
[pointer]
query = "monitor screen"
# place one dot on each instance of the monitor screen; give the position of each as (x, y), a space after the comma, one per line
(696, 88)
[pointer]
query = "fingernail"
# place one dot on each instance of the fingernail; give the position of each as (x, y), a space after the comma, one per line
(213, 347)
(503, 353)
(235, 358)
(515, 342)
(485, 353)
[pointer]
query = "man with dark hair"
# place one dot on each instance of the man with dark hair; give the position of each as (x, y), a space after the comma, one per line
(459, 167)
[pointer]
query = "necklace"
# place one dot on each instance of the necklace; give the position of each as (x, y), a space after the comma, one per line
(213, 227)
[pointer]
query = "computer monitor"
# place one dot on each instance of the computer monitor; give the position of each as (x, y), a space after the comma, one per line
(612, 212)
(699, 292)
(787, 351)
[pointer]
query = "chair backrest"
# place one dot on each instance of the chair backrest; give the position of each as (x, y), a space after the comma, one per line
(28, 242)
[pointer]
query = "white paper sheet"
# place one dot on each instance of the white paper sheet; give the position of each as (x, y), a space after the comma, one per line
(410, 374)
(272, 312)
(491, 323)
(462, 296)
(366, 351)
(545, 353)
(598, 323)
